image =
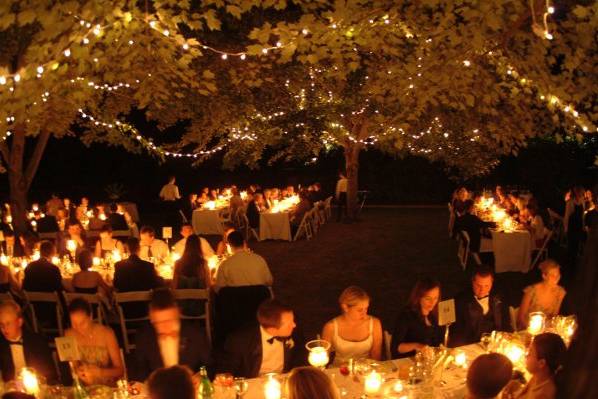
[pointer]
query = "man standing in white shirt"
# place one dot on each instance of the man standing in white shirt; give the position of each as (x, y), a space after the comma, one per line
(151, 247)
(341, 195)
(187, 230)
(170, 191)
(243, 268)
(22, 348)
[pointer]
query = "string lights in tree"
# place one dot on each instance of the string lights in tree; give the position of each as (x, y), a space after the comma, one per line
(543, 30)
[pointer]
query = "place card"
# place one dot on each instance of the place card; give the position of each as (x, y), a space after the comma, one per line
(68, 350)
(166, 232)
(446, 312)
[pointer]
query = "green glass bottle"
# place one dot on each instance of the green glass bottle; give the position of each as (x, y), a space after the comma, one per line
(206, 389)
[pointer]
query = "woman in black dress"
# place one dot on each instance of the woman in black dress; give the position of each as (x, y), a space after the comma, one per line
(417, 325)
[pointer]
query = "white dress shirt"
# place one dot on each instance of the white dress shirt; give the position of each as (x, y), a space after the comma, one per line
(484, 303)
(272, 354)
(341, 186)
(169, 350)
(243, 268)
(206, 249)
(158, 247)
(18, 356)
(170, 192)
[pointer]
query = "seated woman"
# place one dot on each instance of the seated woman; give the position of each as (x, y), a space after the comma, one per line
(204, 196)
(545, 357)
(417, 325)
(545, 296)
(254, 208)
(100, 355)
(87, 281)
(222, 249)
(458, 201)
(354, 334)
(191, 271)
(107, 244)
(310, 383)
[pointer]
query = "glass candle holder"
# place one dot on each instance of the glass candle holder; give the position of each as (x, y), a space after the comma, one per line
(373, 383)
(318, 352)
(536, 323)
(272, 387)
(29, 381)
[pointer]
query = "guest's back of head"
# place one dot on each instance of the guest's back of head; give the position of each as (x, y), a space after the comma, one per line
(310, 383)
(170, 383)
(488, 375)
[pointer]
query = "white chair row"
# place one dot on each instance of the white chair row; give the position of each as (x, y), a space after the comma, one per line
(314, 219)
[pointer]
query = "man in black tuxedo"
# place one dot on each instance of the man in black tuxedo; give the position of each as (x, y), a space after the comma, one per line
(273, 345)
(42, 275)
(473, 225)
(22, 348)
(168, 341)
(479, 310)
(115, 220)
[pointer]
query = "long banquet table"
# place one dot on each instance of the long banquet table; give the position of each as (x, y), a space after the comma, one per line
(207, 221)
(275, 226)
(512, 250)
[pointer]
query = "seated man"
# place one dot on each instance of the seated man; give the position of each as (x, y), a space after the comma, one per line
(75, 232)
(488, 375)
(473, 225)
(272, 345)
(172, 382)
(187, 230)
(168, 341)
(115, 220)
(479, 310)
(151, 247)
(243, 268)
(20, 347)
(41, 275)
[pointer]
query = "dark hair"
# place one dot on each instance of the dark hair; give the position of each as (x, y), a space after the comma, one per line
(235, 239)
(106, 228)
(186, 225)
(133, 245)
(113, 207)
(148, 230)
(9, 233)
(162, 299)
(192, 263)
(171, 382)
(269, 313)
(80, 305)
(17, 395)
(47, 249)
(551, 348)
(227, 226)
(419, 290)
(468, 204)
(84, 259)
(482, 271)
(488, 375)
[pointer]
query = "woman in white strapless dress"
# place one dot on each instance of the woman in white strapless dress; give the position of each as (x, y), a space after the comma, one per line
(354, 334)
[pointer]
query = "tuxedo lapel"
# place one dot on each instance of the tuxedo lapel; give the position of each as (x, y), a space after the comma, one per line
(8, 371)
(254, 362)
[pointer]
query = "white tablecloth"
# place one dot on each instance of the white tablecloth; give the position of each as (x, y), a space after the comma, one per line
(275, 226)
(453, 385)
(512, 251)
(207, 221)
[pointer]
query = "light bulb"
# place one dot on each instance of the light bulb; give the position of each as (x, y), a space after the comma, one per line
(548, 35)
(551, 10)
(2, 80)
(224, 56)
(243, 56)
(67, 52)
(17, 77)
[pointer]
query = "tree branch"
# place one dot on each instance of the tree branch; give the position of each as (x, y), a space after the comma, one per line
(36, 157)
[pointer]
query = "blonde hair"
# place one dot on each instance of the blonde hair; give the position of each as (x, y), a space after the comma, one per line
(310, 383)
(548, 265)
(352, 295)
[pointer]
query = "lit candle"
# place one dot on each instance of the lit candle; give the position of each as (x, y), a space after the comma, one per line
(89, 214)
(460, 358)
(102, 216)
(536, 323)
(35, 207)
(4, 259)
(213, 262)
(272, 388)
(116, 255)
(175, 256)
(30, 382)
(211, 205)
(55, 260)
(36, 255)
(514, 352)
(96, 261)
(373, 383)
(31, 215)
(71, 245)
(318, 356)
(398, 387)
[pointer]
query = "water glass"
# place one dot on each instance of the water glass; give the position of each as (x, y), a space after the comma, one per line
(241, 386)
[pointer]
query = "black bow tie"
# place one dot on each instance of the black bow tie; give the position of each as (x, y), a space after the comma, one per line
(20, 342)
(479, 298)
(281, 339)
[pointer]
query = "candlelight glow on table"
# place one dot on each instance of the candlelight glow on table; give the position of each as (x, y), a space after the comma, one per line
(29, 380)
(373, 383)
(285, 204)
(272, 387)
(318, 352)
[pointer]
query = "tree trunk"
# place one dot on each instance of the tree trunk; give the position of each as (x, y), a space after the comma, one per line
(352, 169)
(18, 202)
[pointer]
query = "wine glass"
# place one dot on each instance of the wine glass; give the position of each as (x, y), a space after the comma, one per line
(485, 341)
(241, 386)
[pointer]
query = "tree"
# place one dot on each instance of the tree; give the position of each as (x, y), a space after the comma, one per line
(460, 82)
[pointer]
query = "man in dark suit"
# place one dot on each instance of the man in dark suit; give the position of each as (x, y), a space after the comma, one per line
(479, 310)
(22, 348)
(273, 345)
(168, 341)
(11, 246)
(473, 225)
(134, 274)
(115, 220)
(47, 224)
(42, 275)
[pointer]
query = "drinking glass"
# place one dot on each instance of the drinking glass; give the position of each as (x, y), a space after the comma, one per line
(241, 386)
(485, 341)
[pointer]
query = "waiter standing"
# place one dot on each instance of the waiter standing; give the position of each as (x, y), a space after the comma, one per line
(341, 196)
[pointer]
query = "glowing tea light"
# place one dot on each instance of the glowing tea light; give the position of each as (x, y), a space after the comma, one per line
(36, 255)
(318, 352)
(89, 214)
(536, 323)
(514, 352)
(24, 263)
(30, 382)
(4, 259)
(55, 260)
(272, 388)
(71, 245)
(116, 255)
(213, 262)
(102, 216)
(244, 195)
(373, 383)
(35, 207)
(211, 205)
(398, 387)
(460, 358)
(96, 261)
(31, 215)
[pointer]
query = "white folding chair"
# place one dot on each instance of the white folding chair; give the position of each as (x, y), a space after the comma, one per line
(543, 250)
(94, 300)
(202, 295)
(249, 231)
(123, 298)
(304, 228)
(513, 312)
(463, 249)
(314, 220)
(328, 207)
(36, 299)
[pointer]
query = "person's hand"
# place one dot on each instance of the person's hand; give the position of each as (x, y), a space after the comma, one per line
(89, 373)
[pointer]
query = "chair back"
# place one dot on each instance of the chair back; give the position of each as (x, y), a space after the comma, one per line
(6, 296)
(387, 343)
(132, 311)
(44, 304)
(513, 317)
(98, 313)
(463, 249)
(543, 250)
(305, 227)
(203, 296)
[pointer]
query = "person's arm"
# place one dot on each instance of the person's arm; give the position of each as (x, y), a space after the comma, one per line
(94, 373)
(523, 312)
(398, 346)
(177, 195)
(328, 332)
(376, 351)
(98, 251)
(337, 190)
(220, 278)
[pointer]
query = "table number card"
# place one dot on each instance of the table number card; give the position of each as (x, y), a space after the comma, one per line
(446, 312)
(166, 232)
(68, 350)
